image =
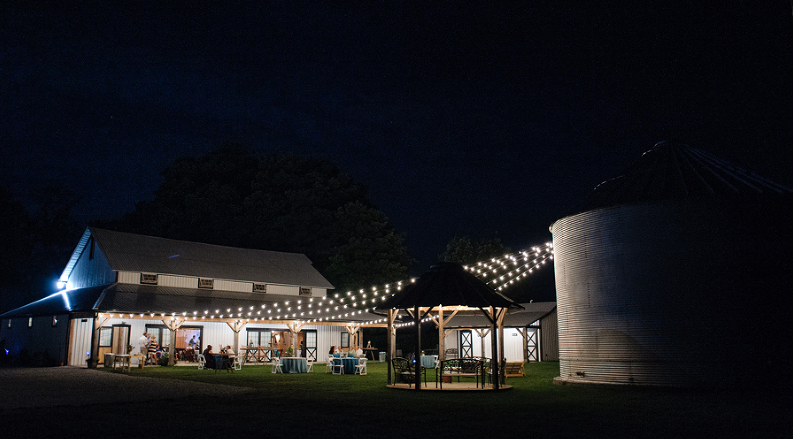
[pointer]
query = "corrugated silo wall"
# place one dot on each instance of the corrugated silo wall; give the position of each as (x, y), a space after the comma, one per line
(672, 294)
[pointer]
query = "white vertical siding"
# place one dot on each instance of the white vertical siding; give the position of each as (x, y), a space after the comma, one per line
(285, 290)
(215, 334)
(89, 272)
(80, 341)
(128, 277)
(513, 344)
(229, 285)
(177, 281)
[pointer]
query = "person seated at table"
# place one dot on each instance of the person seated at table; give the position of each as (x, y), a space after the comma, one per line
(338, 351)
(229, 351)
(209, 357)
(359, 353)
(153, 346)
(332, 350)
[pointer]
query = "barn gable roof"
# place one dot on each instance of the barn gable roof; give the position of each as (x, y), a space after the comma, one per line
(148, 254)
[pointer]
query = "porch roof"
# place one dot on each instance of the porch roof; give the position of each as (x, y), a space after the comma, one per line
(191, 302)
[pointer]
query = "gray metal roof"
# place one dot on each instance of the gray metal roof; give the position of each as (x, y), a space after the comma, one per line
(140, 253)
(63, 302)
(515, 318)
(675, 171)
(147, 299)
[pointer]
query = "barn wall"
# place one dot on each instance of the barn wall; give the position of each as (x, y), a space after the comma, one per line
(41, 343)
(549, 337)
(90, 272)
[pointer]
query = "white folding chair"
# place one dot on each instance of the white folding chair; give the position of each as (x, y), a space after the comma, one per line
(277, 365)
(309, 366)
(238, 362)
(329, 366)
(338, 366)
(201, 361)
(360, 369)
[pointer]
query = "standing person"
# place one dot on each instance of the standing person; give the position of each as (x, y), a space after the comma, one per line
(143, 345)
(153, 346)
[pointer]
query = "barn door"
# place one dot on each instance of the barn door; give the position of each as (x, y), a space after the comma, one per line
(466, 344)
(120, 339)
(310, 344)
(531, 344)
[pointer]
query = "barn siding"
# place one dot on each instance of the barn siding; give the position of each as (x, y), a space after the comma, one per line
(42, 340)
(549, 337)
(89, 272)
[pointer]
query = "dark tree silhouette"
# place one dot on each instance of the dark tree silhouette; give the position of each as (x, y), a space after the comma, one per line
(233, 197)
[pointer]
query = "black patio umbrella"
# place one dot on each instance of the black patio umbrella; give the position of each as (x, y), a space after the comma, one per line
(446, 284)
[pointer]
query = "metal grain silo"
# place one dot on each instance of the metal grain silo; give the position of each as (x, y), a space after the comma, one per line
(675, 274)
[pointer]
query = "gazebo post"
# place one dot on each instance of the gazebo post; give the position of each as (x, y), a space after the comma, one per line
(390, 343)
(417, 354)
(501, 358)
(494, 344)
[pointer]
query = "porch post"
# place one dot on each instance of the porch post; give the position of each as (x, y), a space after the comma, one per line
(441, 338)
(93, 360)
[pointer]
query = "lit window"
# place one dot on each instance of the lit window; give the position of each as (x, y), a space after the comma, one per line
(150, 279)
(30, 322)
(305, 291)
(259, 288)
(206, 283)
(54, 321)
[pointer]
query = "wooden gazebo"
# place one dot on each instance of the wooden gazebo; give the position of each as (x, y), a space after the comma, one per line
(445, 290)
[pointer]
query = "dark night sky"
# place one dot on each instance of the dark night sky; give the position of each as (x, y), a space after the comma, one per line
(461, 117)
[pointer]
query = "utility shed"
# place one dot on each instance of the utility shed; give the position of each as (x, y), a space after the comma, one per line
(675, 274)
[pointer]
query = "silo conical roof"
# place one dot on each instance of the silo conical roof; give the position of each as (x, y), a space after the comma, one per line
(675, 171)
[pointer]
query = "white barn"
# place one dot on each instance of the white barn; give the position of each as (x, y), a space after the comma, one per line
(118, 285)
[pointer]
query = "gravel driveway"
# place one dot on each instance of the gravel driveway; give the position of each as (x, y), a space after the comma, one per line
(76, 386)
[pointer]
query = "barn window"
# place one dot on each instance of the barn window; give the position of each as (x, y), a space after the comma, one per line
(259, 288)
(206, 283)
(305, 291)
(105, 337)
(150, 279)
(30, 322)
(345, 340)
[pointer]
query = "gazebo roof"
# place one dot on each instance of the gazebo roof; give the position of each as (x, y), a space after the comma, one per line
(447, 284)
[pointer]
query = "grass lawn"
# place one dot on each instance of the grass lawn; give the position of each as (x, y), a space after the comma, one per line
(319, 404)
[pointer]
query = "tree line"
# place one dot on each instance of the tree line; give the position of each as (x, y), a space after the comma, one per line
(229, 196)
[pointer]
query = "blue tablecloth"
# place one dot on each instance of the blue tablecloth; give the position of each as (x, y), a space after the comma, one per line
(349, 364)
(221, 358)
(428, 361)
(294, 365)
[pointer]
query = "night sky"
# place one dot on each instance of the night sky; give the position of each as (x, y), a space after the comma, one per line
(461, 117)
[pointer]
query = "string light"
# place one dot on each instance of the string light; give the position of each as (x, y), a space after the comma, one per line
(499, 273)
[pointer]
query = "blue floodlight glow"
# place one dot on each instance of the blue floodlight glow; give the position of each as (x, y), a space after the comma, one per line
(66, 300)
(173, 256)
